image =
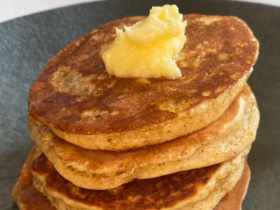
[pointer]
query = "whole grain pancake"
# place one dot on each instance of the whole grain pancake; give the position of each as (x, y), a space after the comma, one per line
(25, 195)
(232, 133)
(199, 189)
(82, 104)
(28, 198)
(233, 200)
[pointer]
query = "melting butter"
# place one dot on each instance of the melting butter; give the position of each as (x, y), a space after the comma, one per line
(150, 47)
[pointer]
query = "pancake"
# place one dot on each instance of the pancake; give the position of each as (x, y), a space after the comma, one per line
(195, 189)
(28, 198)
(233, 200)
(232, 133)
(82, 104)
(25, 195)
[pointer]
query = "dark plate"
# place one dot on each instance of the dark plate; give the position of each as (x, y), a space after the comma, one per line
(28, 43)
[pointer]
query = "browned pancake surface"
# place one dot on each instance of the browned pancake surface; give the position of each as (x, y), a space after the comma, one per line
(137, 189)
(28, 198)
(233, 200)
(233, 132)
(168, 192)
(74, 90)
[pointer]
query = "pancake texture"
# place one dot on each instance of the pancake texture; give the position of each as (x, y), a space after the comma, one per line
(233, 200)
(28, 198)
(195, 189)
(82, 104)
(232, 133)
(24, 194)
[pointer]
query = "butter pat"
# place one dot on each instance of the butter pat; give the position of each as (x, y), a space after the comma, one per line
(150, 47)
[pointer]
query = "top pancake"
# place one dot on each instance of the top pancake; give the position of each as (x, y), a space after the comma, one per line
(231, 134)
(82, 104)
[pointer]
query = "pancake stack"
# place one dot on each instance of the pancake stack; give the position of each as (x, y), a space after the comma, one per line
(111, 143)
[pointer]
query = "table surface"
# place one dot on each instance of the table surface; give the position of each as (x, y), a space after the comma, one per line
(11, 9)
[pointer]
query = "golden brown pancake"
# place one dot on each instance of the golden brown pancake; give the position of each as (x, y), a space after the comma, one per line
(82, 104)
(25, 195)
(233, 200)
(195, 189)
(232, 133)
(28, 198)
